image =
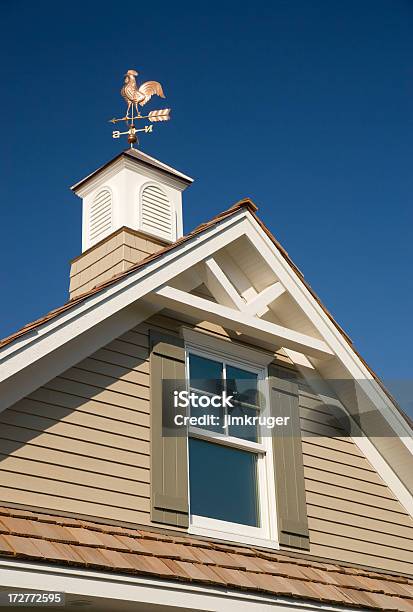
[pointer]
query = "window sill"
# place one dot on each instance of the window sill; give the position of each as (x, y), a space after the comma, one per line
(230, 532)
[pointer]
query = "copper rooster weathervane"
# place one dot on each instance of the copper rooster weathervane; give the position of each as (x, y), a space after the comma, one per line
(133, 96)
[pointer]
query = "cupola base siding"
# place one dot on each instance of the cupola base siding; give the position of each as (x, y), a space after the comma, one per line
(111, 256)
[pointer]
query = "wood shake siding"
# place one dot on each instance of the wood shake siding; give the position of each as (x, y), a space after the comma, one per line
(111, 256)
(81, 444)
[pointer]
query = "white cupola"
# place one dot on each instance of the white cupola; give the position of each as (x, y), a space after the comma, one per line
(134, 191)
(132, 207)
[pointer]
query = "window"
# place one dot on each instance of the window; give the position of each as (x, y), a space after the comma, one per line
(230, 464)
(224, 483)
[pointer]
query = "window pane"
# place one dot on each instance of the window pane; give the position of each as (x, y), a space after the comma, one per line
(205, 374)
(223, 483)
(243, 385)
(242, 429)
(198, 411)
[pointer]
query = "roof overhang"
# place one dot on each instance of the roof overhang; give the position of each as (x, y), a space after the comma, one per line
(138, 159)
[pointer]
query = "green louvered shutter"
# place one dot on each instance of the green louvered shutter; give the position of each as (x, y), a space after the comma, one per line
(288, 461)
(169, 455)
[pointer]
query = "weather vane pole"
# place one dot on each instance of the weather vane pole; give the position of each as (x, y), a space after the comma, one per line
(133, 96)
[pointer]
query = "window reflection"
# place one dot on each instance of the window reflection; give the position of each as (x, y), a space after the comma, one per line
(223, 483)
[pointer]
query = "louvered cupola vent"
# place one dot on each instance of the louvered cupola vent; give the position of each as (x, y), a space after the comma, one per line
(100, 219)
(156, 213)
(132, 208)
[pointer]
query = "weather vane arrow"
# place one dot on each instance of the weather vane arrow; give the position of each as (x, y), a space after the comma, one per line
(134, 96)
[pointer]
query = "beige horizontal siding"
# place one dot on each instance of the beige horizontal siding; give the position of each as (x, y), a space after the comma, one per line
(326, 465)
(378, 560)
(99, 488)
(318, 485)
(344, 517)
(67, 430)
(63, 504)
(24, 436)
(344, 446)
(99, 394)
(337, 479)
(128, 348)
(350, 508)
(121, 359)
(318, 447)
(60, 399)
(353, 516)
(364, 534)
(371, 546)
(84, 419)
(74, 461)
(109, 383)
(81, 444)
(137, 336)
(114, 371)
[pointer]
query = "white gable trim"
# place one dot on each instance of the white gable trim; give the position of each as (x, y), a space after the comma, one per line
(329, 331)
(46, 339)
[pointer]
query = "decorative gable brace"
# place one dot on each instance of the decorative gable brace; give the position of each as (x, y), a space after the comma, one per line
(273, 334)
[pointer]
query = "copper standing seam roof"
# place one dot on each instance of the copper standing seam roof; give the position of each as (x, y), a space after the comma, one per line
(247, 204)
(27, 535)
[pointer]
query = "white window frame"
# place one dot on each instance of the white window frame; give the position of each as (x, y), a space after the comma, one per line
(267, 534)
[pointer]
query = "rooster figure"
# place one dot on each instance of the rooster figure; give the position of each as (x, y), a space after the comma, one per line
(134, 95)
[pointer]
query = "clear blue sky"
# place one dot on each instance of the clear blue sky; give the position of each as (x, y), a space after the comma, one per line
(306, 106)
